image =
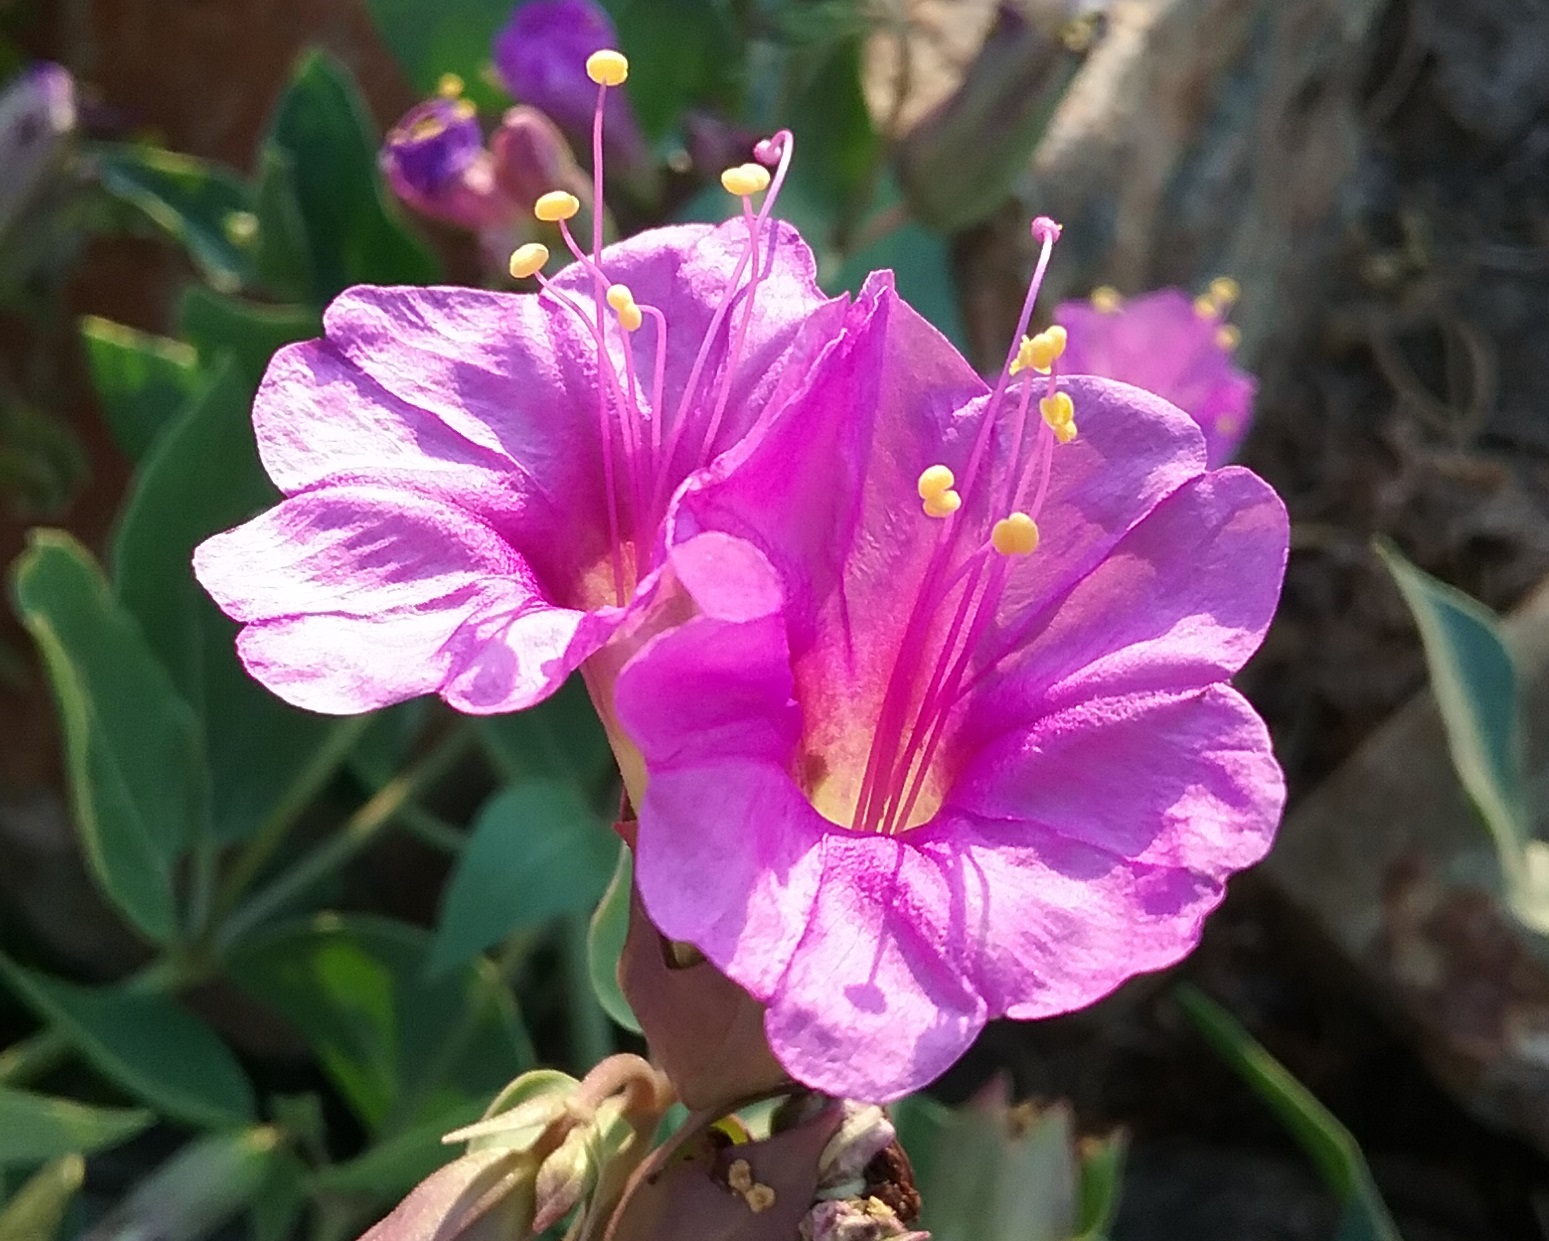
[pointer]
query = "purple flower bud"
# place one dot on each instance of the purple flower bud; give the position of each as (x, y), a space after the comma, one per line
(531, 158)
(540, 57)
(432, 148)
(37, 113)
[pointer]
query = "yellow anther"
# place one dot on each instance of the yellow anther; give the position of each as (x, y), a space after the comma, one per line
(607, 67)
(450, 86)
(745, 179)
(943, 503)
(1228, 336)
(528, 260)
(623, 303)
(1065, 432)
(1015, 535)
(1205, 307)
(1224, 291)
(1106, 299)
(556, 205)
(240, 227)
(1039, 352)
(1057, 409)
(466, 110)
(935, 480)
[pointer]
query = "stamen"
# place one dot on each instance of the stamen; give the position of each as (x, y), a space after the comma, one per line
(623, 303)
(528, 260)
(450, 86)
(1205, 307)
(1015, 535)
(607, 67)
(1106, 299)
(555, 206)
(1057, 409)
(1228, 336)
(745, 180)
(1040, 352)
(934, 480)
(943, 504)
(1224, 291)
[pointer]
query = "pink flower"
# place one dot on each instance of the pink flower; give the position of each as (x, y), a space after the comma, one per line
(474, 481)
(1178, 347)
(909, 771)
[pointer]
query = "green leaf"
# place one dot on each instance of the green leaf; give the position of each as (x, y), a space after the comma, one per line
(37, 1211)
(144, 1043)
(282, 258)
(536, 851)
(688, 54)
(204, 476)
(35, 1127)
(250, 333)
(452, 36)
(142, 381)
(136, 765)
(921, 262)
(354, 233)
(605, 943)
(192, 1194)
(399, 1046)
(391, 1168)
(1476, 691)
(561, 738)
(1328, 1143)
(200, 204)
(280, 1200)
(838, 146)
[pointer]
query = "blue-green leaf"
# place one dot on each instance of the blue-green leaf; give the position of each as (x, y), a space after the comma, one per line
(37, 1210)
(354, 233)
(142, 381)
(249, 333)
(193, 1193)
(1475, 684)
(536, 851)
(146, 1044)
(1327, 1143)
(561, 738)
(688, 54)
(135, 759)
(35, 1128)
(452, 36)
(198, 203)
(282, 259)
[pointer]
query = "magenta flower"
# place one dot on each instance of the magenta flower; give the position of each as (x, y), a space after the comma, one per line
(474, 481)
(1167, 343)
(540, 56)
(910, 771)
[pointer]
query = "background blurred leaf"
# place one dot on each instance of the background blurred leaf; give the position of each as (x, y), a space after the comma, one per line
(536, 851)
(605, 943)
(560, 738)
(1328, 1143)
(921, 262)
(144, 1043)
(249, 332)
(137, 773)
(193, 200)
(353, 231)
(838, 146)
(204, 476)
(1475, 684)
(37, 1210)
(198, 1189)
(389, 1169)
(142, 381)
(690, 55)
(400, 1047)
(35, 1127)
(282, 259)
(452, 36)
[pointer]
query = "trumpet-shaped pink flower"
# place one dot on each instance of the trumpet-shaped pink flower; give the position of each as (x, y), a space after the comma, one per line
(1177, 347)
(912, 770)
(474, 481)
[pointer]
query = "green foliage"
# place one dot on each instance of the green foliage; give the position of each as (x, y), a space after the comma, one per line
(142, 381)
(199, 1188)
(1328, 1143)
(145, 1044)
(691, 50)
(605, 943)
(452, 36)
(37, 1211)
(194, 201)
(353, 233)
(35, 1128)
(1475, 684)
(537, 851)
(250, 333)
(133, 752)
(402, 1047)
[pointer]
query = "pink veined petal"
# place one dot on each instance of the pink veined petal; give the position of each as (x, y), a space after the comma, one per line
(352, 594)
(1180, 602)
(876, 1001)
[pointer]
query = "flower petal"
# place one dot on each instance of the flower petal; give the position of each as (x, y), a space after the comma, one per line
(356, 596)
